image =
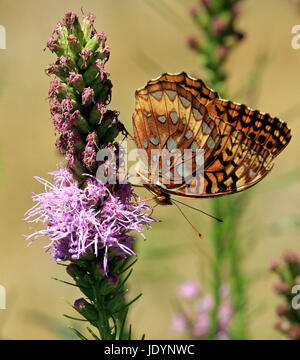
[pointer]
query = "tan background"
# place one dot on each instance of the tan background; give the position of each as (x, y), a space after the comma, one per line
(172, 252)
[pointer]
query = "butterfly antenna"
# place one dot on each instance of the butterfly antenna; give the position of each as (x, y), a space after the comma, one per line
(203, 212)
(199, 234)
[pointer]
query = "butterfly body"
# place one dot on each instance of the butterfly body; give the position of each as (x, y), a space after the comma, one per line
(161, 197)
(228, 147)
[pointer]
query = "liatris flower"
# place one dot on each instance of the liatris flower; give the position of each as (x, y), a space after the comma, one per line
(288, 286)
(80, 92)
(90, 223)
(82, 221)
(193, 318)
(217, 22)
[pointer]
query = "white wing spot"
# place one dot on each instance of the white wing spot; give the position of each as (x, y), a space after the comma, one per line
(184, 101)
(180, 170)
(252, 173)
(171, 94)
(174, 117)
(197, 114)
(210, 143)
(206, 128)
(188, 134)
(154, 140)
(157, 94)
(194, 146)
(172, 145)
(162, 119)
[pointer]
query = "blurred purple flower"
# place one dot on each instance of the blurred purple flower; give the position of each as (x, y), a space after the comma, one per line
(179, 323)
(201, 326)
(224, 290)
(205, 304)
(194, 319)
(224, 315)
(189, 290)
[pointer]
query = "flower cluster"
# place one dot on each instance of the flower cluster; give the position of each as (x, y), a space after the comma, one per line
(216, 20)
(288, 286)
(81, 221)
(89, 220)
(80, 92)
(193, 318)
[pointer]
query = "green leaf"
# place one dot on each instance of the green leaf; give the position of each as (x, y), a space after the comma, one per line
(65, 282)
(123, 325)
(92, 333)
(81, 336)
(73, 318)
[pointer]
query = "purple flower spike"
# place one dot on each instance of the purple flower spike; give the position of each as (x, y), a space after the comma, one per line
(81, 221)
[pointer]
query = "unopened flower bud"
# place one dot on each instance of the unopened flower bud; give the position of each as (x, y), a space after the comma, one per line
(282, 309)
(192, 42)
(282, 326)
(86, 309)
(236, 9)
(218, 25)
(222, 52)
(194, 11)
(274, 265)
(73, 270)
(294, 332)
(290, 257)
(282, 288)
(113, 279)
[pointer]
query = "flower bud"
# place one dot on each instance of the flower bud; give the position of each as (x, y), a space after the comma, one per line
(290, 257)
(282, 309)
(86, 309)
(218, 25)
(274, 265)
(282, 288)
(73, 270)
(194, 11)
(192, 42)
(294, 332)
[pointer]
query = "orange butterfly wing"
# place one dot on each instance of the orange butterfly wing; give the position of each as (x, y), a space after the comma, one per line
(175, 113)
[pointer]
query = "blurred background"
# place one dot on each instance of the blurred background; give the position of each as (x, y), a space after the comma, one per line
(144, 43)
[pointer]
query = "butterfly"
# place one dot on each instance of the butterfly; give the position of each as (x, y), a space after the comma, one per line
(176, 113)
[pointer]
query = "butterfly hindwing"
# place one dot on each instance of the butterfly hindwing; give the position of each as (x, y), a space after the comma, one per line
(177, 114)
